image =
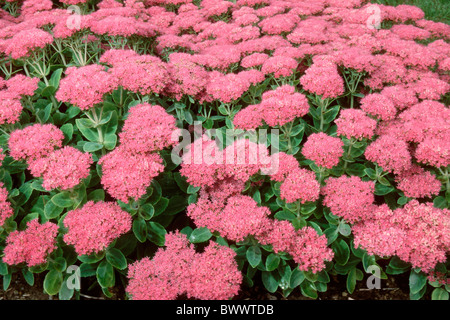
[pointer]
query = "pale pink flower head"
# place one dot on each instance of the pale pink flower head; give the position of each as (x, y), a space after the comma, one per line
(286, 163)
(147, 128)
(226, 88)
(92, 228)
(353, 123)
(254, 60)
(32, 245)
(323, 149)
(248, 118)
(6, 210)
(84, 87)
(63, 168)
(127, 175)
(35, 141)
(300, 184)
(390, 153)
(349, 197)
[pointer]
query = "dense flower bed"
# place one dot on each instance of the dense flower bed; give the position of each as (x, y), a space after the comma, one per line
(188, 149)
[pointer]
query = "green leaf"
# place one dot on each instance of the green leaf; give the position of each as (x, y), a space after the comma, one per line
(105, 274)
(65, 293)
(96, 195)
(56, 77)
(176, 204)
(351, 280)
(331, 114)
(85, 126)
(439, 294)
(331, 233)
(156, 233)
(6, 281)
(59, 264)
(28, 276)
(116, 258)
(440, 202)
(62, 200)
(200, 235)
(52, 282)
(342, 251)
(344, 229)
(417, 281)
(356, 169)
(87, 270)
(368, 260)
(147, 211)
(92, 146)
(67, 129)
(285, 215)
(140, 229)
(92, 258)
(308, 289)
(52, 211)
(370, 173)
(160, 206)
(297, 277)
(253, 255)
(381, 190)
(3, 268)
(269, 281)
(272, 262)
(181, 182)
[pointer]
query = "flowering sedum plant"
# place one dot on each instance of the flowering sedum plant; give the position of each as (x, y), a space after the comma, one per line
(191, 149)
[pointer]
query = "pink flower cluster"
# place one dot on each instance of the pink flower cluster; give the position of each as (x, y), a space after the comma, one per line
(221, 206)
(11, 93)
(129, 169)
(354, 123)
(178, 269)
(349, 197)
(35, 141)
(278, 107)
(416, 233)
(323, 149)
(32, 245)
(92, 228)
(40, 146)
(6, 210)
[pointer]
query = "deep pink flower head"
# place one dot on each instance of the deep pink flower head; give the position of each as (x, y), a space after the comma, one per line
(279, 66)
(226, 88)
(63, 168)
(86, 86)
(147, 128)
(32, 245)
(353, 123)
(92, 228)
(418, 183)
(286, 163)
(349, 197)
(141, 74)
(323, 149)
(6, 210)
(254, 60)
(35, 141)
(300, 184)
(322, 78)
(214, 274)
(127, 175)
(389, 153)
(379, 106)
